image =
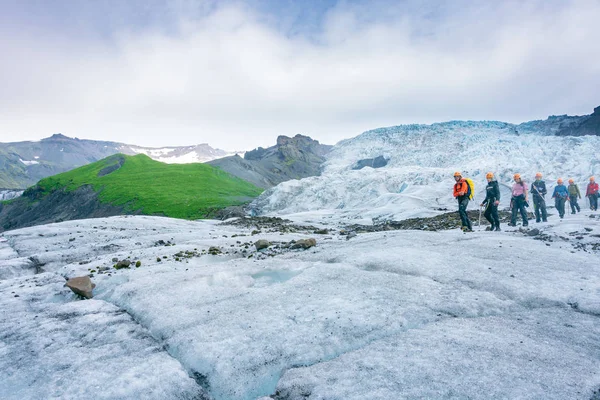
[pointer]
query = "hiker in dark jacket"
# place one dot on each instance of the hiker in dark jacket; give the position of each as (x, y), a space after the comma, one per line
(592, 194)
(574, 195)
(492, 199)
(538, 189)
(461, 193)
(560, 196)
(519, 201)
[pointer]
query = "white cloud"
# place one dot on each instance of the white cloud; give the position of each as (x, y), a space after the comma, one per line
(233, 81)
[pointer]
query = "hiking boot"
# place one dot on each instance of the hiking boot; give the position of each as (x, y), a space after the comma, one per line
(497, 228)
(545, 220)
(511, 224)
(537, 220)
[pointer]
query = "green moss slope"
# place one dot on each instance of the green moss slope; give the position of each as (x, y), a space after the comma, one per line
(187, 191)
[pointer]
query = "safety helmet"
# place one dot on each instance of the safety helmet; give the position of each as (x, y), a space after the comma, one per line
(517, 176)
(538, 175)
(489, 175)
(571, 181)
(591, 178)
(559, 180)
(457, 174)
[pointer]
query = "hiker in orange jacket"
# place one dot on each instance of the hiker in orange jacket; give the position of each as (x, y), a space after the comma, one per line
(461, 193)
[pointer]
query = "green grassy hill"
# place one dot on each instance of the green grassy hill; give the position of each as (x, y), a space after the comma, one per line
(137, 183)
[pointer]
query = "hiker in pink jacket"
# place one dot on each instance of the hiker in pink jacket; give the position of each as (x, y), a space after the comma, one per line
(519, 201)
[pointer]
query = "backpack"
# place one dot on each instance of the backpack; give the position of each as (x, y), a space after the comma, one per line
(471, 188)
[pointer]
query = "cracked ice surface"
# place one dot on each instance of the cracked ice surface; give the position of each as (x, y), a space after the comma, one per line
(53, 347)
(385, 315)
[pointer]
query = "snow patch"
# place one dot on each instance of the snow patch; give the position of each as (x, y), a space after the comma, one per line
(32, 162)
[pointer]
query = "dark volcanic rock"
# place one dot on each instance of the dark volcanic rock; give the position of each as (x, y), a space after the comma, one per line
(450, 220)
(376, 162)
(117, 162)
(585, 125)
(30, 210)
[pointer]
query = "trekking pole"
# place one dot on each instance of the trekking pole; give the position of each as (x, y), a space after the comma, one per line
(479, 224)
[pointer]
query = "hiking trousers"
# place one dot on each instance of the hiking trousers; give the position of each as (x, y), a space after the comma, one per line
(559, 203)
(574, 204)
(539, 207)
(519, 206)
(462, 211)
(491, 214)
(593, 201)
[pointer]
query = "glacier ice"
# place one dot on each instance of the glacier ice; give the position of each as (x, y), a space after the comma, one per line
(417, 181)
(386, 315)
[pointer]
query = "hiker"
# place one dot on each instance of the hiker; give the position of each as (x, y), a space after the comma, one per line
(538, 189)
(574, 194)
(560, 196)
(592, 194)
(461, 193)
(519, 201)
(492, 199)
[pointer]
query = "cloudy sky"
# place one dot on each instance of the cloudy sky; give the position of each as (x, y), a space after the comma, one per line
(235, 74)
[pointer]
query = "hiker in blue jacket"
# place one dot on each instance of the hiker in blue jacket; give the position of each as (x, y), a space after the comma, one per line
(560, 196)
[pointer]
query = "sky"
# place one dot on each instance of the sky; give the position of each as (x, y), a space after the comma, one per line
(237, 74)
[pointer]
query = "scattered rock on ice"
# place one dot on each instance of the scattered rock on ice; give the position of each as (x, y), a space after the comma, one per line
(81, 285)
(214, 251)
(304, 244)
(122, 264)
(262, 244)
(532, 232)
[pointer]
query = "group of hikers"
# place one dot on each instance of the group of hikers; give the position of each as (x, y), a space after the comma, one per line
(463, 192)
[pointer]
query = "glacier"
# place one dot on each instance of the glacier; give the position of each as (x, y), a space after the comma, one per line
(417, 181)
(396, 314)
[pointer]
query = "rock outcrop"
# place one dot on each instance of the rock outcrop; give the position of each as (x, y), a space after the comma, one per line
(376, 162)
(291, 158)
(585, 125)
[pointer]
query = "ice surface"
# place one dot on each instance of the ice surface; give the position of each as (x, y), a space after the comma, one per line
(55, 347)
(417, 181)
(385, 315)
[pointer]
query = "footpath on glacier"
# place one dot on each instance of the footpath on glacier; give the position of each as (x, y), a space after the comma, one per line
(383, 315)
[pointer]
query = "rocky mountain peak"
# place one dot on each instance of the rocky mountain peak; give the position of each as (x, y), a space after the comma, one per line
(58, 136)
(596, 111)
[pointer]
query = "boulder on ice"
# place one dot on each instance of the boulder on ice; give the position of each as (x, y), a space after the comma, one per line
(81, 285)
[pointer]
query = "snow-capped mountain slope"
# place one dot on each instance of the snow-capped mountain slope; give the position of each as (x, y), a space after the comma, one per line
(180, 155)
(417, 180)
